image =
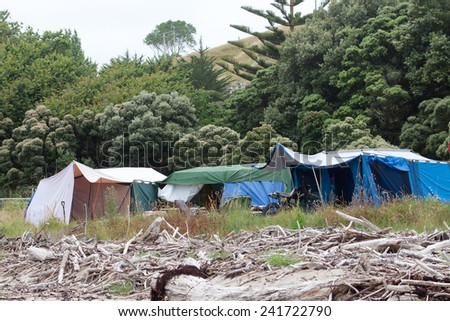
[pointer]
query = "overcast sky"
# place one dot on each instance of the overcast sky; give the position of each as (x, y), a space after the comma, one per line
(108, 29)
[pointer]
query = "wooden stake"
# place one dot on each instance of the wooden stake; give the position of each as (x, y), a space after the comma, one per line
(63, 266)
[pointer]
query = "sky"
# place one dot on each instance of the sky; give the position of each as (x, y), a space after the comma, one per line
(108, 29)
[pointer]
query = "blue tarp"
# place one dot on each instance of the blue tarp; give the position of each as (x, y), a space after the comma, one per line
(433, 179)
(371, 175)
(397, 163)
(257, 190)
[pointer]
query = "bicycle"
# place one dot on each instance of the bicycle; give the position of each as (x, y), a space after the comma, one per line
(304, 198)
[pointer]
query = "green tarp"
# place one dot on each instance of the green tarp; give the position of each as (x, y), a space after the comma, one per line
(228, 174)
(143, 196)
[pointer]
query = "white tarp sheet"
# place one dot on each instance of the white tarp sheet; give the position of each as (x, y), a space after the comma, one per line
(130, 174)
(172, 193)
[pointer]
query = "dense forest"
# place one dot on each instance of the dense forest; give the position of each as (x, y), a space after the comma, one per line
(360, 73)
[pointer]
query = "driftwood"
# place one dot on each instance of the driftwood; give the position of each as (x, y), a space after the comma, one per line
(63, 266)
(378, 244)
(152, 232)
(337, 263)
(191, 288)
(125, 250)
(183, 207)
(436, 247)
(360, 221)
(40, 254)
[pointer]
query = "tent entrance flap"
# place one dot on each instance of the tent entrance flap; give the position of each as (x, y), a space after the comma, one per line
(390, 181)
(81, 196)
(342, 184)
(335, 184)
(144, 196)
(100, 199)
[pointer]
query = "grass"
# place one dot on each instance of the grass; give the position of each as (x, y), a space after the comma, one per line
(222, 254)
(11, 219)
(236, 53)
(122, 289)
(117, 227)
(406, 214)
(403, 214)
(281, 260)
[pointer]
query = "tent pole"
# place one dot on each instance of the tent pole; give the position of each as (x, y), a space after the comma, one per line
(318, 187)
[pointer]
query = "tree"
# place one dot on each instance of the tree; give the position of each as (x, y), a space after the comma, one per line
(424, 44)
(214, 145)
(6, 126)
(302, 80)
(255, 146)
(351, 134)
(427, 131)
(247, 105)
(203, 72)
(142, 132)
(373, 58)
(443, 150)
(205, 147)
(312, 128)
(171, 38)
(36, 66)
(89, 138)
(118, 81)
(208, 109)
(39, 147)
(266, 53)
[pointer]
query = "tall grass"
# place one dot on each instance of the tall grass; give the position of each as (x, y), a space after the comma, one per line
(12, 223)
(406, 213)
(402, 214)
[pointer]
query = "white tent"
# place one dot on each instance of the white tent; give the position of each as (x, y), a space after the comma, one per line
(79, 190)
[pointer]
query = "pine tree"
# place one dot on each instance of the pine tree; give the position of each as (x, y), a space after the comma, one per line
(203, 71)
(267, 52)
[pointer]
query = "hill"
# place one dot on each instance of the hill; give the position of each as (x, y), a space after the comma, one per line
(231, 52)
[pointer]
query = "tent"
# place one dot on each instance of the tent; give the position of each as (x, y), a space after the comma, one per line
(79, 190)
(365, 175)
(232, 180)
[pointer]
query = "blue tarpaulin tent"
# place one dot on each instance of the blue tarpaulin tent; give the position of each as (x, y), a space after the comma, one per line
(257, 191)
(367, 175)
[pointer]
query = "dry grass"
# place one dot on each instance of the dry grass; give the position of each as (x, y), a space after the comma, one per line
(233, 52)
(407, 213)
(200, 224)
(11, 219)
(404, 214)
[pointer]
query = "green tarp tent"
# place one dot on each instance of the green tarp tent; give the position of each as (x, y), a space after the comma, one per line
(233, 180)
(227, 174)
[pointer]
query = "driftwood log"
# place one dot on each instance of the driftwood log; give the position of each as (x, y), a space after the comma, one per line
(191, 288)
(335, 263)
